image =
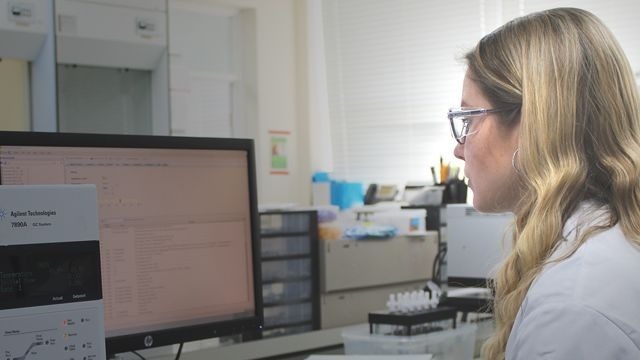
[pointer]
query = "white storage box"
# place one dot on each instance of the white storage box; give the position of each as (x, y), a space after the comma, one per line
(452, 344)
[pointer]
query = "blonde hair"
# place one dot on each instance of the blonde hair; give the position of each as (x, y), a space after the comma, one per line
(577, 105)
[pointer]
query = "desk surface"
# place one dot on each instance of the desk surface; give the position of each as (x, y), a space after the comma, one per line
(273, 347)
(278, 346)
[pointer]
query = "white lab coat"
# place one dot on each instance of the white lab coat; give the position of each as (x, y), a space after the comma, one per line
(584, 307)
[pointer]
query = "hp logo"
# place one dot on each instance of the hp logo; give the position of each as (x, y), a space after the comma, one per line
(148, 341)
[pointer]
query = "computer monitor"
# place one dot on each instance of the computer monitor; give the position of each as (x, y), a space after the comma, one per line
(178, 228)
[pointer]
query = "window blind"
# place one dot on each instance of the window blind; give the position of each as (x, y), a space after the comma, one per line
(393, 69)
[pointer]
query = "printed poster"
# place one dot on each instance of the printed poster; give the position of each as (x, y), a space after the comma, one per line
(279, 152)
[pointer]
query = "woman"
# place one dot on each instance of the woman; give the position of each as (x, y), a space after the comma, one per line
(549, 129)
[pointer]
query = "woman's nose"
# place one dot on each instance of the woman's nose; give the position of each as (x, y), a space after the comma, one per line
(458, 152)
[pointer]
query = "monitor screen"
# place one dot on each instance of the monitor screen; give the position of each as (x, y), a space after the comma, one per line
(178, 228)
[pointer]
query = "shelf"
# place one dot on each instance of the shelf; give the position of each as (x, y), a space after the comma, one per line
(285, 257)
(284, 234)
(291, 279)
(299, 323)
(287, 302)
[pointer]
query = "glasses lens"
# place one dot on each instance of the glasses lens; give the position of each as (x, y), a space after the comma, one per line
(461, 120)
(460, 126)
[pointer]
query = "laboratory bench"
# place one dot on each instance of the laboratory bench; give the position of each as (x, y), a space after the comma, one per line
(289, 347)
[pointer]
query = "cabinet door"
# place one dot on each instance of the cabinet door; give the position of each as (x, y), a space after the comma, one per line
(349, 264)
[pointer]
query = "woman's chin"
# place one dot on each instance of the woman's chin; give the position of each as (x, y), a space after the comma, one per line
(477, 204)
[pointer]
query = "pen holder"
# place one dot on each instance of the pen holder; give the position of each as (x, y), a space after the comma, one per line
(455, 192)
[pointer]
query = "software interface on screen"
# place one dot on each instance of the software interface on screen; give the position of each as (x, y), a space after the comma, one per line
(175, 229)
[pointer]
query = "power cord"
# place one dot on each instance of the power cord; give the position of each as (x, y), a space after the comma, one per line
(436, 268)
(179, 351)
(138, 354)
(177, 354)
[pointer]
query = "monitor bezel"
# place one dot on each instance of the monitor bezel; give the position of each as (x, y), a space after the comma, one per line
(250, 325)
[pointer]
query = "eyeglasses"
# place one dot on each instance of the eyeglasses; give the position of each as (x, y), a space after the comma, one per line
(460, 119)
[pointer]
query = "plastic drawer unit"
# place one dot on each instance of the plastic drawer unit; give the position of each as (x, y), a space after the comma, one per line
(288, 314)
(290, 276)
(287, 222)
(285, 245)
(286, 291)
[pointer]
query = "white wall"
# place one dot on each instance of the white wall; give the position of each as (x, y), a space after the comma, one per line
(281, 97)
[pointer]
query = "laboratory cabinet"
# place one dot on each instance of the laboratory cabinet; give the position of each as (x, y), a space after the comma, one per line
(357, 276)
(290, 276)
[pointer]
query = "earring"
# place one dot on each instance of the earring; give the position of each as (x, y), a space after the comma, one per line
(513, 160)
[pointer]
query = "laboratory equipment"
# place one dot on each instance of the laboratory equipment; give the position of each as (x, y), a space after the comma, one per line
(51, 303)
(178, 228)
(476, 244)
(413, 323)
(423, 195)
